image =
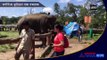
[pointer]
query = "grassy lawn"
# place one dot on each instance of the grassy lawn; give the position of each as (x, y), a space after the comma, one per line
(6, 47)
(86, 37)
(9, 34)
(95, 37)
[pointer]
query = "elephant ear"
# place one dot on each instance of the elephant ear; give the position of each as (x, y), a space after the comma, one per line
(21, 20)
(19, 23)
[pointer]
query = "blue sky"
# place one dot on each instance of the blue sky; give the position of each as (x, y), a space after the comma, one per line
(20, 11)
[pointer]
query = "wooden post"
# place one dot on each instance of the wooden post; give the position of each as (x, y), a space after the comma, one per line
(48, 40)
(41, 37)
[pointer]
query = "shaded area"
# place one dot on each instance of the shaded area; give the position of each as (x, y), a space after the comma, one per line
(3, 36)
(8, 41)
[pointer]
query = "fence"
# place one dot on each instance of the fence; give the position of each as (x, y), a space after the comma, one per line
(7, 27)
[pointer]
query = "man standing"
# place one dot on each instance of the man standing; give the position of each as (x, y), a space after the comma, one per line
(24, 47)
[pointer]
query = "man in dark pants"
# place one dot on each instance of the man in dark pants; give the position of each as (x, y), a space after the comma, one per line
(78, 34)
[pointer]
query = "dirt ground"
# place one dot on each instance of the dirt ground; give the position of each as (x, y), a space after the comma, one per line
(75, 46)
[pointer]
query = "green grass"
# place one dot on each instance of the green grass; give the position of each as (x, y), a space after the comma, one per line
(86, 37)
(6, 47)
(95, 37)
(9, 34)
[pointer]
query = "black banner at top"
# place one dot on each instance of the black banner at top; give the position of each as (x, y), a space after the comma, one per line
(21, 4)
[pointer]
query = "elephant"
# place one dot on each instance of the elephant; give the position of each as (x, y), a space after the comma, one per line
(41, 23)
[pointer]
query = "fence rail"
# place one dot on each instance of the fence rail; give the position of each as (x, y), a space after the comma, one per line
(94, 30)
(38, 37)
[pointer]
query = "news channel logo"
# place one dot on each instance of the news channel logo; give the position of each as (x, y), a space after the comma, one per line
(92, 55)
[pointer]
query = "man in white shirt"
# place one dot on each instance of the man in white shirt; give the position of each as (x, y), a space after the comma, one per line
(24, 47)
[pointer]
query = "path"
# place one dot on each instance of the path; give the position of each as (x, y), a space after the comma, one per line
(75, 46)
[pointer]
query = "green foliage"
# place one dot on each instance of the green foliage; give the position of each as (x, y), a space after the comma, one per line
(83, 12)
(12, 20)
(99, 17)
(56, 8)
(4, 18)
(76, 13)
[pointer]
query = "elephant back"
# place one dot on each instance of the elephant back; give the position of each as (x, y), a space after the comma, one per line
(39, 22)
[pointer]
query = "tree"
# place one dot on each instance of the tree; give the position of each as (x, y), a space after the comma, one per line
(83, 12)
(69, 12)
(60, 14)
(71, 9)
(4, 18)
(76, 13)
(13, 20)
(98, 20)
(57, 8)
